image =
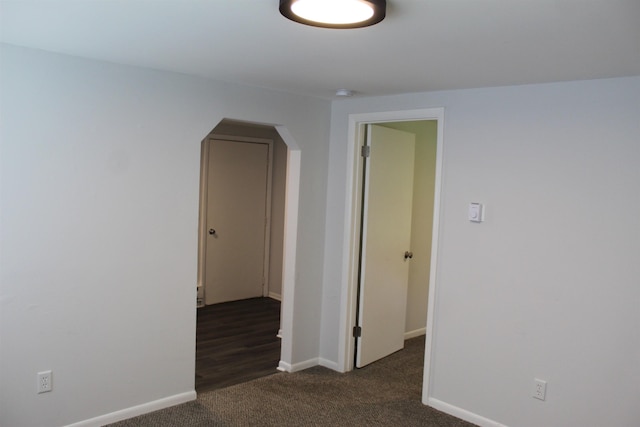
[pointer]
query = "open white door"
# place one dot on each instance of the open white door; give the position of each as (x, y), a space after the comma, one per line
(237, 215)
(386, 237)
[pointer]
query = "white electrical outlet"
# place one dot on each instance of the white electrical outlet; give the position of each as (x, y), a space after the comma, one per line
(44, 382)
(539, 389)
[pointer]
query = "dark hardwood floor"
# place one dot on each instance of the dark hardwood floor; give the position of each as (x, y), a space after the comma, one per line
(236, 342)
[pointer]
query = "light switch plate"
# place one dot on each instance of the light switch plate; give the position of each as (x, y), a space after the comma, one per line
(476, 212)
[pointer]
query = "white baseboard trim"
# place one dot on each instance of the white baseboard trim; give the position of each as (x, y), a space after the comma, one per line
(300, 366)
(462, 413)
(275, 296)
(286, 367)
(328, 364)
(134, 411)
(415, 333)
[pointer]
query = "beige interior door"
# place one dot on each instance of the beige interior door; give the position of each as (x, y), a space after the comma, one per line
(236, 226)
(386, 238)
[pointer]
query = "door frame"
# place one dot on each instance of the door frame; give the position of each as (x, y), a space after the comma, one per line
(204, 203)
(351, 243)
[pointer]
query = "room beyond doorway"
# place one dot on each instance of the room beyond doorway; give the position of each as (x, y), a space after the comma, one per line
(242, 231)
(397, 213)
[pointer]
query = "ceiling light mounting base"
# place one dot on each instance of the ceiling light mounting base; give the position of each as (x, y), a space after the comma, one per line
(345, 93)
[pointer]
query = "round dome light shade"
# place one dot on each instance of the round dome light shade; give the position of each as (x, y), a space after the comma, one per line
(334, 13)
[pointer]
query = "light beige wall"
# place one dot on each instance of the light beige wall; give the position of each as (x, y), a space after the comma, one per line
(234, 128)
(422, 220)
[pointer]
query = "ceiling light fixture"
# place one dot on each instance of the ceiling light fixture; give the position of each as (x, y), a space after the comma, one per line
(334, 13)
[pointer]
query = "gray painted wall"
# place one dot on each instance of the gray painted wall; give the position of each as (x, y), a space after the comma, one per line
(93, 224)
(100, 176)
(547, 286)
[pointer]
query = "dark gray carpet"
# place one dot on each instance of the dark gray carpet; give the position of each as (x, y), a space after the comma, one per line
(385, 393)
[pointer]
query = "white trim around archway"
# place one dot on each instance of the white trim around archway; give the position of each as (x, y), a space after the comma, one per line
(292, 197)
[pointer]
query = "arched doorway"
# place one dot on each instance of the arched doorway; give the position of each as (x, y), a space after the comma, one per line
(282, 211)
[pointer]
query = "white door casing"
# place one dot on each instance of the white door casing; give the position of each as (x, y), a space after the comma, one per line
(351, 241)
(237, 219)
(386, 237)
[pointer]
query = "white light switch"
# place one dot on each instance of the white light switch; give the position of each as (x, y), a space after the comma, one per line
(475, 212)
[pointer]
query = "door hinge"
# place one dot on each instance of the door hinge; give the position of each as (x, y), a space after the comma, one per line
(365, 151)
(357, 331)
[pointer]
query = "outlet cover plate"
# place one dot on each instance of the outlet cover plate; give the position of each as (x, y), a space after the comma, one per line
(44, 382)
(539, 389)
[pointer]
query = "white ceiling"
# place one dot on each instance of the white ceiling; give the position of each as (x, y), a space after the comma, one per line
(422, 45)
